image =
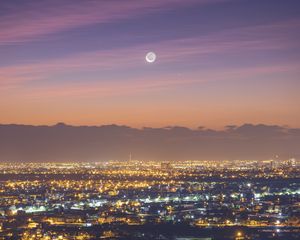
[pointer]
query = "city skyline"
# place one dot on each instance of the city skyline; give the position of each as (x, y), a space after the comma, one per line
(218, 63)
(143, 200)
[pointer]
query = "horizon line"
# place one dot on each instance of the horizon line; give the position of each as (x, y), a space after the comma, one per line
(200, 127)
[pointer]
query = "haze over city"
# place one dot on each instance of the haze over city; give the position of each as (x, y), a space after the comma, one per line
(65, 143)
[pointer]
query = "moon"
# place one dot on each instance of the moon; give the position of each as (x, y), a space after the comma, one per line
(150, 57)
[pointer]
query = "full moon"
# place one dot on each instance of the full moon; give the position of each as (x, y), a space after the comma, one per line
(150, 57)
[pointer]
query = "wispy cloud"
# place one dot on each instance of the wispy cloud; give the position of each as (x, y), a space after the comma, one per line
(138, 85)
(178, 50)
(33, 20)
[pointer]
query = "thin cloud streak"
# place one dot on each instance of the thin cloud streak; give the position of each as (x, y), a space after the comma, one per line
(29, 23)
(145, 84)
(178, 50)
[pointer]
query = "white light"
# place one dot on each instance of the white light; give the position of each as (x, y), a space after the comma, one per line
(150, 57)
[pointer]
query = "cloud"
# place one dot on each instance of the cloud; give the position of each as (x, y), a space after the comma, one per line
(69, 143)
(139, 84)
(33, 20)
(183, 50)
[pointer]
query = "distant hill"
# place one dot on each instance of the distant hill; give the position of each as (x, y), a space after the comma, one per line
(62, 142)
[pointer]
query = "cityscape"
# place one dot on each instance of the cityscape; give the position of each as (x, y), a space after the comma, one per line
(149, 119)
(151, 200)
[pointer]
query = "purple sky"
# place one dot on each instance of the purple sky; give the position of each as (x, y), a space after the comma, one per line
(83, 62)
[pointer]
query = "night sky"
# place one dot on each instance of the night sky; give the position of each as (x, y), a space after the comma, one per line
(83, 62)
